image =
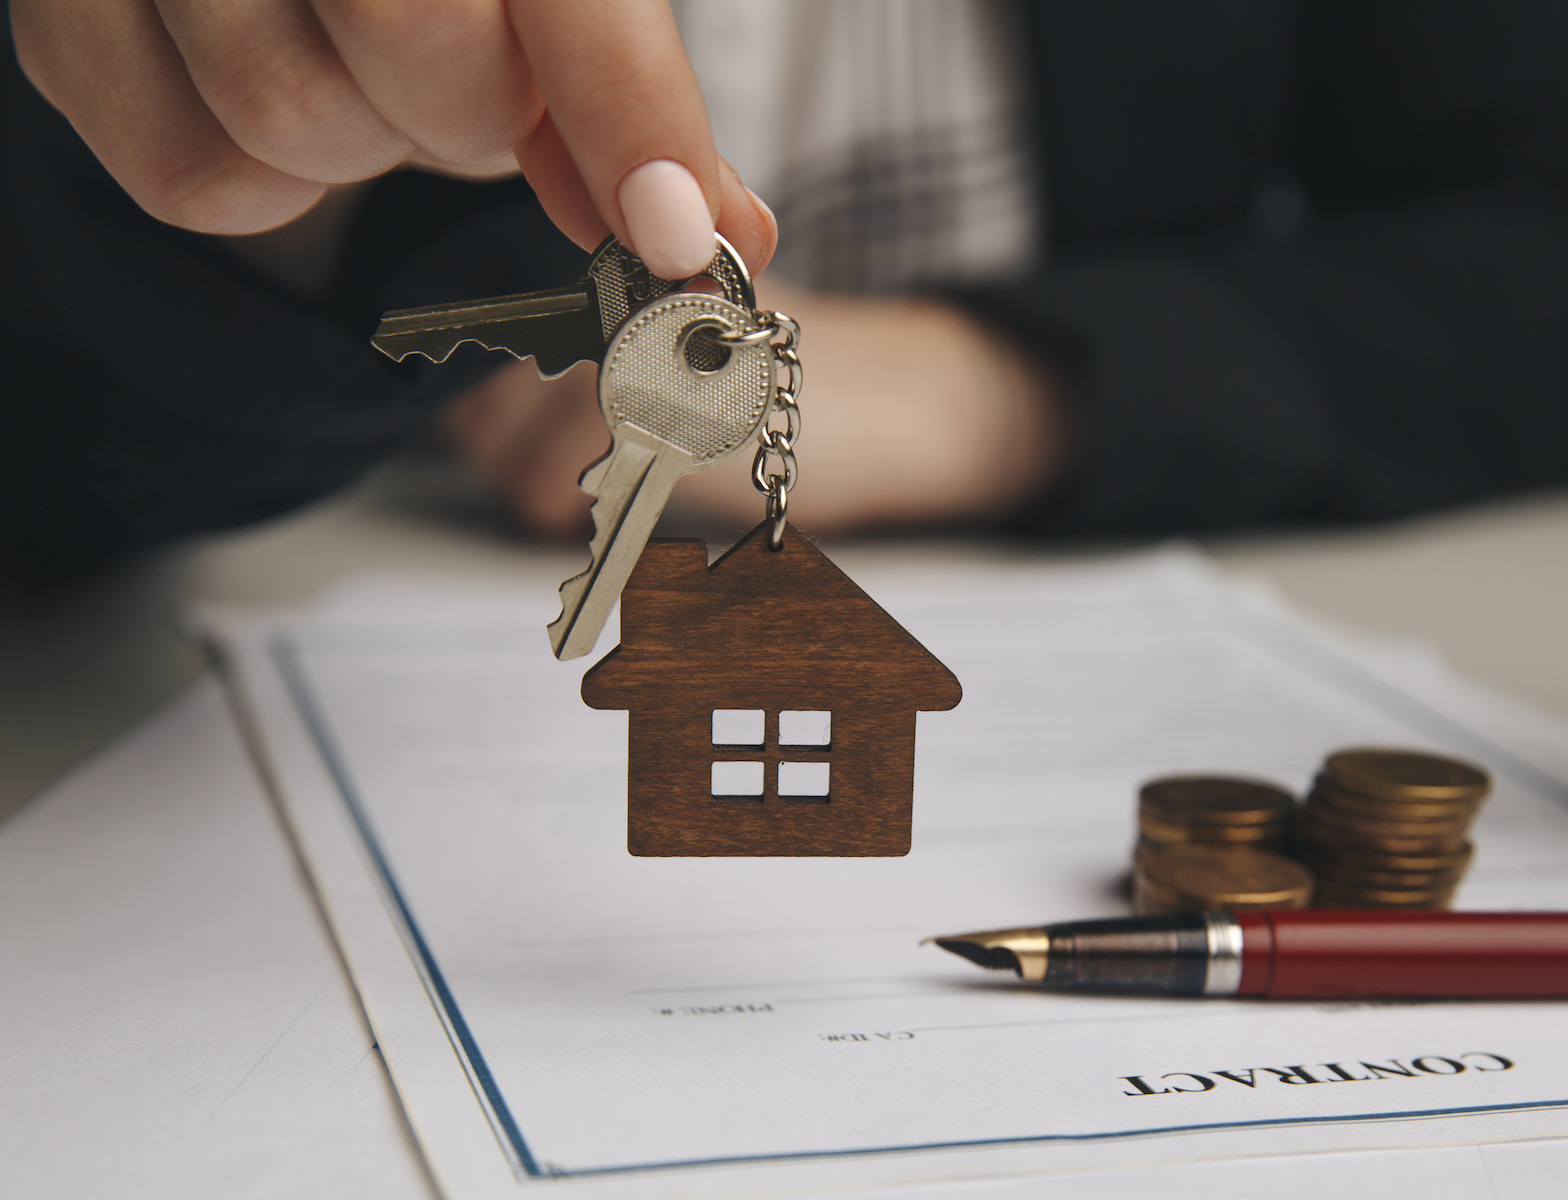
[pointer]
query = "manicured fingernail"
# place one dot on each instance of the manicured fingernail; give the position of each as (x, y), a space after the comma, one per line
(667, 219)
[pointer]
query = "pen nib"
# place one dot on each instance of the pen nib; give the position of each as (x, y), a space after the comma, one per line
(993, 958)
(1022, 951)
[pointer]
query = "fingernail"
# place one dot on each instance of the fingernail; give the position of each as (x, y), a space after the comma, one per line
(667, 218)
(762, 207)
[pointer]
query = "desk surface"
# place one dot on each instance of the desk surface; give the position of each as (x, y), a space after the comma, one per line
(1484, 586)
(1487, 586)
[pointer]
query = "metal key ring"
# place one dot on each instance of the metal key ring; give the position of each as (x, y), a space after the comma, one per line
(754, 338)
(713, 330)
(765, 479)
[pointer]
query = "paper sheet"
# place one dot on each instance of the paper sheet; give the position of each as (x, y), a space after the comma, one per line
(553, 1009)
(174, 1021)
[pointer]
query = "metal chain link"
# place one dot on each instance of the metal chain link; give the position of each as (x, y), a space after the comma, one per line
(776, 485)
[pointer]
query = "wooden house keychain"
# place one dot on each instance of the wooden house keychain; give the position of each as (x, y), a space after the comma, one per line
(772, 702)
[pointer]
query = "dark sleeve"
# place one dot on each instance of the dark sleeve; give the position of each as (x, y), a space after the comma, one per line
(1378, 323)
(153, 387)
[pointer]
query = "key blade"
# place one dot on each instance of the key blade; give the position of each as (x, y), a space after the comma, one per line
(509, 323)
(558, 328)
(669, 416)
(630, 486)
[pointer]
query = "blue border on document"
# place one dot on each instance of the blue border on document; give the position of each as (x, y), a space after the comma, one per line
(292, 669)
(1276, 636)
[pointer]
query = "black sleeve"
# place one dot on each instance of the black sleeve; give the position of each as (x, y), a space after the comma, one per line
(1387, 332)
(153, 387)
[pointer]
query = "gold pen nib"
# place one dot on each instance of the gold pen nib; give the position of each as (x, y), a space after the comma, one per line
(1023, 951)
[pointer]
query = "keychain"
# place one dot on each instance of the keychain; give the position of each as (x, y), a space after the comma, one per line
(772, 702)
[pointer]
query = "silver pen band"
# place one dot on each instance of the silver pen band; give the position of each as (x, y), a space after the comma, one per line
(1224, 973)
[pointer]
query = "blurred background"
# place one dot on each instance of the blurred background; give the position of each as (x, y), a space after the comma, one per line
(1286, 277)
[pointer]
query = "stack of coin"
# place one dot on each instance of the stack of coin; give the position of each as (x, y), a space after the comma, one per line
(1390, 828)
(1199, 878)
(1214, 810)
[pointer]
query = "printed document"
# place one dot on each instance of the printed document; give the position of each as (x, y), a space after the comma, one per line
(555, 1012)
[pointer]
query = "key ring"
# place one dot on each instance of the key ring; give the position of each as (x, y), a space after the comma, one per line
(755, 337)
(777, 508)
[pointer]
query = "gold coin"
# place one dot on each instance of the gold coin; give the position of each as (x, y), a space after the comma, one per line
(1406, 774)
(1334, 887)
(1147, 846)
(1213, 878)
(1330, 871)
(1150, 898)
(1328, 834)
(1373, 860)
(1333, 896)
(1214, 800)
(1314, 841)
(1382, 809)
(1169, 835)
(1320, 809)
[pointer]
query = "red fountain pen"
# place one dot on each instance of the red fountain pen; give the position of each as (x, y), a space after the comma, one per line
(1316, 954)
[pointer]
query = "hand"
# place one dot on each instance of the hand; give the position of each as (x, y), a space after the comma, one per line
(913, 414)
(235, 117)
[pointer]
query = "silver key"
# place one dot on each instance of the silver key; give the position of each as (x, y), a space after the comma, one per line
(558, 328)
(676, 401)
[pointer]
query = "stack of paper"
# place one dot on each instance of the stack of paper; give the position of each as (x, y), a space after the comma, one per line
(551, 1008)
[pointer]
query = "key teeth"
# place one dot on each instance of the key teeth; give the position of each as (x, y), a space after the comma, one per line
(407, 354)
(560, 632)
(592, 479)
(440, 356)
(575, 588)
(387, 347)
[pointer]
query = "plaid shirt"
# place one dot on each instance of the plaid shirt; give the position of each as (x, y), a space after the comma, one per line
(885, 135)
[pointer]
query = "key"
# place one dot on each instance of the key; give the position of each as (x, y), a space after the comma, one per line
(560, 327)
(676, 401)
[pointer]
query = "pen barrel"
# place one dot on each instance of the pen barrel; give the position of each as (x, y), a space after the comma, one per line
(1136, 956)
(1325, 953)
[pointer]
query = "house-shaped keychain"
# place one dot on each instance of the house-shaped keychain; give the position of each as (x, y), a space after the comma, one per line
(772, 704)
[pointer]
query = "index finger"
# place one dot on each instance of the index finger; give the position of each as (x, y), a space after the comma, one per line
(625, 127)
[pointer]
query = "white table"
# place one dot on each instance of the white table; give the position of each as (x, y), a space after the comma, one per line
(189, 1029)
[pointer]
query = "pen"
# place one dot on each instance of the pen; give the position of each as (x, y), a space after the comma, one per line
(1283, 953)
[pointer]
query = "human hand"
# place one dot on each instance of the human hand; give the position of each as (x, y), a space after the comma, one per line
(914, 414)
(235, 117)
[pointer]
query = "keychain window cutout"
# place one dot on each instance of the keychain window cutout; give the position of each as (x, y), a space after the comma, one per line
(804, 781)
(737, 781)
(805, 728)
(737, 727)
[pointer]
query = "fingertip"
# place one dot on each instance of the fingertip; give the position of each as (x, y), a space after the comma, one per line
(745, 220)
(667, 218)
(768, 231)
(765, 212)
(226, 192)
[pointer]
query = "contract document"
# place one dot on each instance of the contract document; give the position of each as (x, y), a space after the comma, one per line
(557, 1013)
